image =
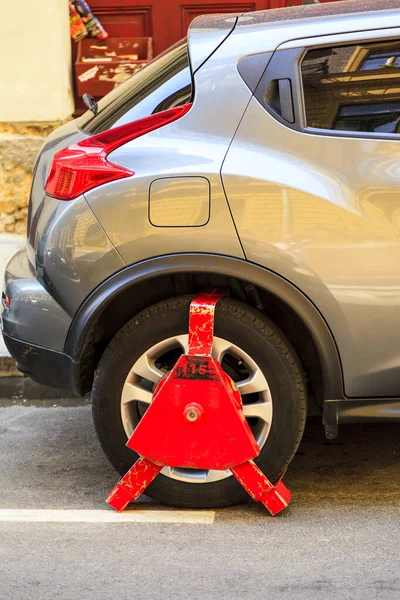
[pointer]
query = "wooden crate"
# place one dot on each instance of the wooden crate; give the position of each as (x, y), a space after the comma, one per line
(102, 65)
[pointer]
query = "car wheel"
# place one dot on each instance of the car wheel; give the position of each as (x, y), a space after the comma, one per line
(252, 351)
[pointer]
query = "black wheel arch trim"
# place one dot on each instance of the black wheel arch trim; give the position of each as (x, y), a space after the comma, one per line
(109, 290)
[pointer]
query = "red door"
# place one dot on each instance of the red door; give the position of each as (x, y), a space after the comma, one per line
(166, 21)
(179, 13)
(132, 18)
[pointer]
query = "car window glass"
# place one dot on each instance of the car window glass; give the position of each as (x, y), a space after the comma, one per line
(164, 83)
(353, 88)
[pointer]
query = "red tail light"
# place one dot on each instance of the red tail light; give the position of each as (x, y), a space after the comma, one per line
(83, 166)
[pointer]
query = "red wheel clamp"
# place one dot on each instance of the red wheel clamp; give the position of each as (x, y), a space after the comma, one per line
(196, 421)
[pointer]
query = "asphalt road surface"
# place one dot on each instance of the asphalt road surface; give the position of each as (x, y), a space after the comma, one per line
(339, 539)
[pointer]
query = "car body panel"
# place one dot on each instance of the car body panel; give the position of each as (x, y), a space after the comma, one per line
(68, 250)
(73, 253)
(342, 38)
(329, 224)
(206, 33)
(145, 272)
(193, 146)
(33, 314)
(322, 19)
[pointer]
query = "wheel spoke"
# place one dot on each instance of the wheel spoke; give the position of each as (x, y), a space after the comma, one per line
(145, 367)
(189, 475)
(216, 475)
(132, 392)
(194, 475)
(183, 342)
(219, 348)
(167, 471)
(185, 475)
(261, 410)
(255, 383)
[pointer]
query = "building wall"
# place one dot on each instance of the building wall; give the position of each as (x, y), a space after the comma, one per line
(20, 144)
(35, 62)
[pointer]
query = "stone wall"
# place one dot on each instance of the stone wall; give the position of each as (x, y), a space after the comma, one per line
(20, 144)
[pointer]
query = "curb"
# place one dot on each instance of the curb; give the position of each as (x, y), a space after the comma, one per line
(15, 386)
(8, 368)
(22, 388)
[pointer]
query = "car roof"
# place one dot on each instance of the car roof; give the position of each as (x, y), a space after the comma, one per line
(288, 25)
(313, 11)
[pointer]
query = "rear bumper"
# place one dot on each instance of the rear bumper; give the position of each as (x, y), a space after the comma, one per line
(32, 314)
(35, 327)
(45, 366)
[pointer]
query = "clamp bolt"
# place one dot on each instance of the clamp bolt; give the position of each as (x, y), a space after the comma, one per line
(193, 412)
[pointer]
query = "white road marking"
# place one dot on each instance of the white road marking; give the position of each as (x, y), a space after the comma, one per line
(32, 515)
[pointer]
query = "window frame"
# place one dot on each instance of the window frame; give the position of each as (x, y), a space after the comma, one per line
(93, 124)
(365, 48)
(287, 60)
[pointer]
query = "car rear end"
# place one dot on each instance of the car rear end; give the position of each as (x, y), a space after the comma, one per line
(68, 253)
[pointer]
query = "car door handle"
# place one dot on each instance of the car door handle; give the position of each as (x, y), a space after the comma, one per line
(278, 97)
(286, 100)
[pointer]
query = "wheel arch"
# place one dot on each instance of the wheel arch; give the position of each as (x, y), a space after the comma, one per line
(132, 289)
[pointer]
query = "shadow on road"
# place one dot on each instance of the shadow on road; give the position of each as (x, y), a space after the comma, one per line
(50, 458)
(362, 466)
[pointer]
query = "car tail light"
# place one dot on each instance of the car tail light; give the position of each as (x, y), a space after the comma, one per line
(84, 165)
(5, 300)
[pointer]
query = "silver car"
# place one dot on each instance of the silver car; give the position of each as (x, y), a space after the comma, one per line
(262, 155)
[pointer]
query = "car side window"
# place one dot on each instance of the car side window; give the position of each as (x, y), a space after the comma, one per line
(353, 88)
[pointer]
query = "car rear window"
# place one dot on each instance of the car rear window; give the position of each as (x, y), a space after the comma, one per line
(164, 83)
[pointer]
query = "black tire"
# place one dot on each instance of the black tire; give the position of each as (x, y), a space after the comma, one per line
(247, 329)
